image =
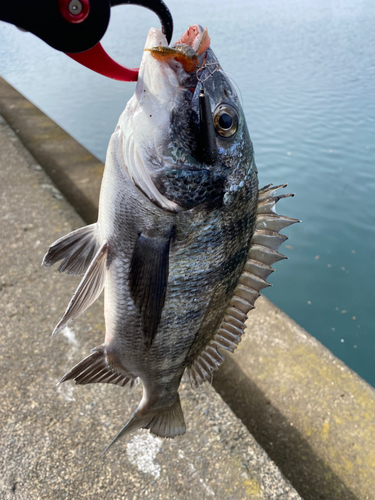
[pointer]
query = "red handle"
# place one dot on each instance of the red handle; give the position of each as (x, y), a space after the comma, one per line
(98, 60)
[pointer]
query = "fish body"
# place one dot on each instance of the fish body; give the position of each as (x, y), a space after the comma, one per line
(184, 239)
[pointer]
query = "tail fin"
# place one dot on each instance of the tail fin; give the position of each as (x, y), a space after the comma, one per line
(166, 423)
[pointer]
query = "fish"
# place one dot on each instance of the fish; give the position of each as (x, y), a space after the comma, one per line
(185, 239)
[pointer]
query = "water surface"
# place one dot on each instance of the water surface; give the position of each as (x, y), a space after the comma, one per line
(306, 71)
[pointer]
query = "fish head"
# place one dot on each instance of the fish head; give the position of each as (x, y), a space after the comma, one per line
(185, 139)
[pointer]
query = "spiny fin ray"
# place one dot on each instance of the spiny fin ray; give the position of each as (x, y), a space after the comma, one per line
(258, 268)
(269, 191)
(273, 222)
(268, 204)
(265, 255)
(268, 238)
(253, 281)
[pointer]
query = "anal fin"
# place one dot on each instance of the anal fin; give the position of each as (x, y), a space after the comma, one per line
(95, 369)
(88, 290)
(76, 250)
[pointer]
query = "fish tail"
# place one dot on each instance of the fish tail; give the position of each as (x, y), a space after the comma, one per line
(162, 422)
(168, 422)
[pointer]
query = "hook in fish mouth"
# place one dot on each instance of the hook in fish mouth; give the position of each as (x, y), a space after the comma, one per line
(193, 43)
(211, 67)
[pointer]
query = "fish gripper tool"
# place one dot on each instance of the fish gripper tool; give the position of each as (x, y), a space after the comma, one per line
(77, 26)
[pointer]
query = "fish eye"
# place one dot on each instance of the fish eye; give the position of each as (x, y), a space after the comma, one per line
(225, 120)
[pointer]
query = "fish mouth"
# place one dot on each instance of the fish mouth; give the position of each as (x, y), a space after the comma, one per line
(196, 37)
(193, 62)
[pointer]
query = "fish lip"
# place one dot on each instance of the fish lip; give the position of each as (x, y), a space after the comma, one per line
(154, 38)
(152, 35)
(191, 37)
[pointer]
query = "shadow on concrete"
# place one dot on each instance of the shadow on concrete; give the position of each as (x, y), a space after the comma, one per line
(310, 476)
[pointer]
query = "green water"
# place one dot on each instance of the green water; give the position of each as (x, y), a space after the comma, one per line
(306, 70)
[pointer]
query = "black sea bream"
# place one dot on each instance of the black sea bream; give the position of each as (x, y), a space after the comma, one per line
(184, 240)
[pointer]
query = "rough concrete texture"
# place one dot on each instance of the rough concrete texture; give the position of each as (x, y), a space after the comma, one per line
(312, 414)
(51, 436)
(56, 150)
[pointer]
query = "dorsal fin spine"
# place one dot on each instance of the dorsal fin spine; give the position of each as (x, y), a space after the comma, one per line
(241, 304)
(269, 191)
(206, 367)
(231, 328)
(253, 281)
(236, 313)
(258, 268)
(227, 334)
(209, 359)
(262, 254)
(268, 205)
(200, 372)
(265, 255)
(224, 342)
(249, 294)
(214, 354)
(234, 322)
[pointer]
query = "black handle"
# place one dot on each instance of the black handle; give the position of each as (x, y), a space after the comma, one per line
(159, 8)
(66, 26)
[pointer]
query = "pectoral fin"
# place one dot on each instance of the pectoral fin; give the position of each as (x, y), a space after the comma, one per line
(88, 290)
(148, 281)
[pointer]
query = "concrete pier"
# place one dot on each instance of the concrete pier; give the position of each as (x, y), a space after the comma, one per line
(313, 415)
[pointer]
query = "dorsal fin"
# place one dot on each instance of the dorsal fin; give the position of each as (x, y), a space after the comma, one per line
(263, 252)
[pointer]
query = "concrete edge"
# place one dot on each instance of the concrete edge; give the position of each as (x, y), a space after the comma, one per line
(284, 385)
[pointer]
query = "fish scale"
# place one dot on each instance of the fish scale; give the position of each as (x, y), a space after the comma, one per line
(184, 241)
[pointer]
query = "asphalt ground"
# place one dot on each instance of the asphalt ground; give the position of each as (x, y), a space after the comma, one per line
(52, 437)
